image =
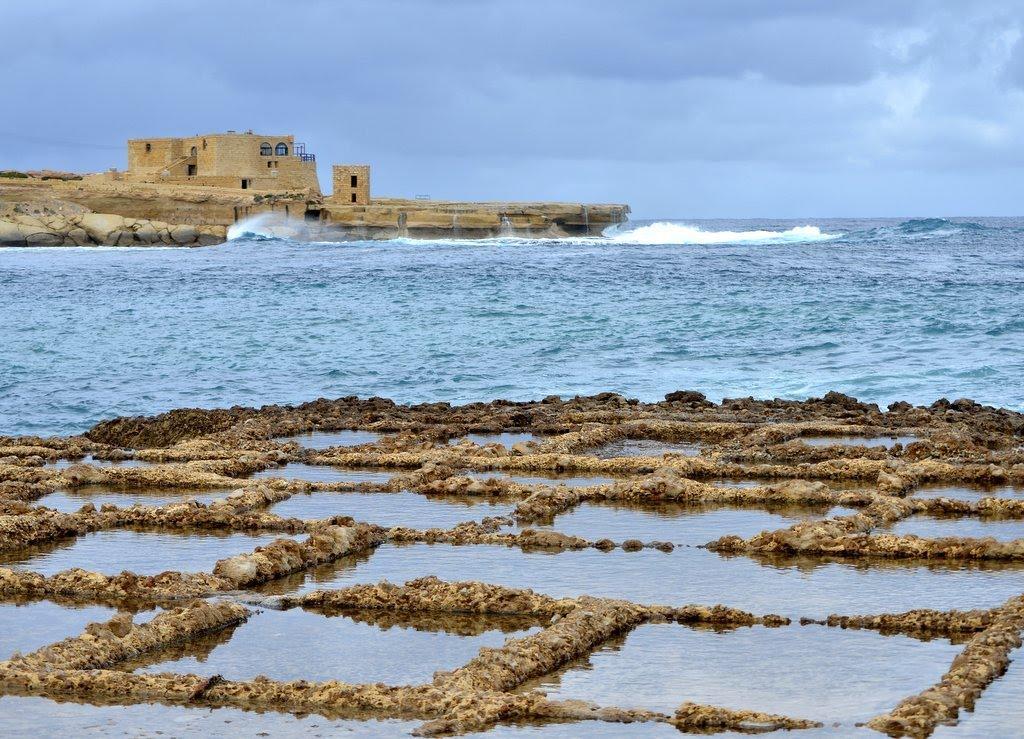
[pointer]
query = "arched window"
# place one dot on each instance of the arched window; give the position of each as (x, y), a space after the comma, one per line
(281, 149)
(194, 151)
(266, 150)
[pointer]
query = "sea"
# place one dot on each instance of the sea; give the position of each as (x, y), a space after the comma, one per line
(909, 309)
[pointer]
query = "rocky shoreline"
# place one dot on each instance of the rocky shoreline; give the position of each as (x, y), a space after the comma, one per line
(67, 225)
(64, 211)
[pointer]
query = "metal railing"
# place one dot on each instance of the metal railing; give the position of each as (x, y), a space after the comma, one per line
(299, 150)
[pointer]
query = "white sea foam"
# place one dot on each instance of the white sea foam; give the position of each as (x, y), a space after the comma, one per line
(678, 233)
(662, 232)
(257, 225)
(271, 225)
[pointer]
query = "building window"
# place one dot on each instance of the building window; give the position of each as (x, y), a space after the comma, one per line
(149, 147)
(204, 144)
(281, 149)
(266, 150)
(354, 180)
(191, 170)
(245, 184)
(269, 165)
(353, 197)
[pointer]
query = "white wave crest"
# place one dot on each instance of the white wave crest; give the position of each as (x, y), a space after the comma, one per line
(677, 233)
(262, 224)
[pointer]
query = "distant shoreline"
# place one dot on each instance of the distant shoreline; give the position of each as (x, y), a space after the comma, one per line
(66, 211)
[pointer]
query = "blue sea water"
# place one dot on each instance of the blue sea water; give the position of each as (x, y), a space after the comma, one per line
(881, 309)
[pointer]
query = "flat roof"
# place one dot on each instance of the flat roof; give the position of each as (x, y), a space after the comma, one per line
(229, 134)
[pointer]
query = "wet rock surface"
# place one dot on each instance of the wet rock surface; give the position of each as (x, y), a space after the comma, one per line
(523, 460)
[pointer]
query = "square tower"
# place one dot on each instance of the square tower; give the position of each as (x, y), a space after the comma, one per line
(351, 184)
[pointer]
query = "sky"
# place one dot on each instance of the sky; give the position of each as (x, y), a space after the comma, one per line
(713, 109)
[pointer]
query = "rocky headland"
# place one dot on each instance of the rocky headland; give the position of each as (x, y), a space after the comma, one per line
(54, 209)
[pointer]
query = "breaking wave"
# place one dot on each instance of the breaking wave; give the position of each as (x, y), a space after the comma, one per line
(255, 228)
(933, 225)
(677, 233)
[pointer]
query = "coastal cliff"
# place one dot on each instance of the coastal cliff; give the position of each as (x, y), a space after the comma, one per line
(64, 224)
(53, 212)
(386, 218)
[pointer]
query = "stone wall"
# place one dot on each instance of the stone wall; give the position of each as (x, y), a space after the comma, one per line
(220, 160)
(351, 184)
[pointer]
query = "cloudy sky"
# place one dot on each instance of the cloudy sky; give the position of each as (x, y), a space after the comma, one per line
(718, 108)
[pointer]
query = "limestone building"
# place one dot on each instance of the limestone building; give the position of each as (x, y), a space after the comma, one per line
(236, 160)
(351, 184)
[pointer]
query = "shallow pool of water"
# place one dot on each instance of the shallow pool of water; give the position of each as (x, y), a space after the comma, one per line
(869, 441)
(645, 448)
(303, 645)
(971, 527)
(43, 717)
(69, 501)
(506, 439)
(677, 523)
(812, 587)
(28, 626)
(391, 509)
(325, 439)
(724, 482)
(998, 712)
(63, 464)
(144, 553)
(831, 675)
(324, 473)
(537, 478)
(584, 729)
(971, 493)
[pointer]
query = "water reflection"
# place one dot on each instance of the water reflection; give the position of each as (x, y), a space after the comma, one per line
(290, 645)
(391, 509)
(326, 439)
(792, 586)
(869, 441)
(144, 553)
(324, 473)
(810, 671)
(645, 448)
(506, 438)
(680, 523)
(70, 501)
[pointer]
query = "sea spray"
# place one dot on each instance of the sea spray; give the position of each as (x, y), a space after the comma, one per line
(676, 233)
(653, 234)
(269, 226)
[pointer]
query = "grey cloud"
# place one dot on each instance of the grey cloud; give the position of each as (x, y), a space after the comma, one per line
(598, 99)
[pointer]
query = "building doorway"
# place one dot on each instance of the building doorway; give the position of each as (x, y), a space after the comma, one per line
(245, 184)
(191, 170)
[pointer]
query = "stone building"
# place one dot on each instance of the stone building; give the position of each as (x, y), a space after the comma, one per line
(235, 160)
(351, 184)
